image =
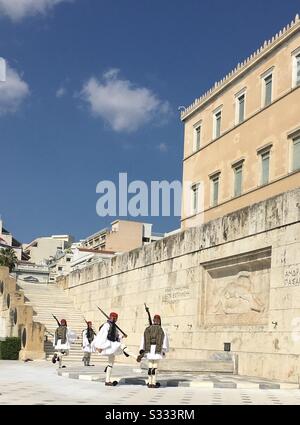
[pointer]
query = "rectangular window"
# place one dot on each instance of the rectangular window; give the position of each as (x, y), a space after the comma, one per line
(215, 180)
(197, 138)
(296, 154)
(195, 199)
(240, 104)
(268, 81)
(265, 167)
(296, 70)
(217, 124)
(238, 180)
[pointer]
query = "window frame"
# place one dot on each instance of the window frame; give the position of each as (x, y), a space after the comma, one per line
(195, 210)
(216, 112)
(264, 77)
(295, 56)
(292, 135)
(237, 106)
(263, 155)
(198, 125)
(295, 141)
(266, 149)
(214, 177)
(235, 166)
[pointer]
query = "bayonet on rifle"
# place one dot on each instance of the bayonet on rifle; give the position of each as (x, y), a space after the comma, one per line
(149, 315)
(57, 321)
(115, 323)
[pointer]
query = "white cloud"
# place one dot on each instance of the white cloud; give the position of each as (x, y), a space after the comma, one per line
(12, 92)
(61, 92)
(16, 10)
(122, 104)
(163, 147)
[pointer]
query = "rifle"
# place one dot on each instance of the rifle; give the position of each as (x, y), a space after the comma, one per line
(149, 315)
(57, 321)
(115, 324)
(87, 325)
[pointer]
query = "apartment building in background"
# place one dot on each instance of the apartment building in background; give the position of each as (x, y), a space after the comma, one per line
(123, 236)
(42, 249)
(7, 240)
(242, 137)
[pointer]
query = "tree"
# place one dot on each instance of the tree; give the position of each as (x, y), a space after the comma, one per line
(8, 258)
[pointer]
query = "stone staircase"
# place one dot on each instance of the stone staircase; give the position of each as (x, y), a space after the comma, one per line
(48, 299)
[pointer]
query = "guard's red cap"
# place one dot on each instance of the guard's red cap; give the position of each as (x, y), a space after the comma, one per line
(157, 316)
(89, 323)
(113, 315)
(63, 322)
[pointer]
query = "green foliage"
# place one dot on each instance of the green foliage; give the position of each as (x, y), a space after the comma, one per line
(8, 258)
(9, 349)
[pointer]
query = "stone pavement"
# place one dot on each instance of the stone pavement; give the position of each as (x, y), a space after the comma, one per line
(37, 383)
(128, 375)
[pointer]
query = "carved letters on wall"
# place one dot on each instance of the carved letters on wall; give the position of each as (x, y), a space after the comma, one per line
(292, 276)
(173, 295)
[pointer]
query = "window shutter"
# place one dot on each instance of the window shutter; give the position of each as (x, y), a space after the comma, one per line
(198, 138)
(268, 88)
(241, 108)
(265, 168)
(215, 191)
(238, 181)
(298, 70)
(218, 118)
(296, 154)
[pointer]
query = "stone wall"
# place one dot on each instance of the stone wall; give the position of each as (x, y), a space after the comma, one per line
(233, 280)
(16, 318)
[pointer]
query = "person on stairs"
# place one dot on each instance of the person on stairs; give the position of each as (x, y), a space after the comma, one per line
(108, 342)
(154, 346)
(62, 342)
(88, 336)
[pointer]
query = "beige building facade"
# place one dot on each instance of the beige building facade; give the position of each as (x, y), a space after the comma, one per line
(242, 138)
(42, 249)
(123, 236)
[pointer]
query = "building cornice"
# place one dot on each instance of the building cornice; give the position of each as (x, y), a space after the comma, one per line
(259, 111)
(268, 47)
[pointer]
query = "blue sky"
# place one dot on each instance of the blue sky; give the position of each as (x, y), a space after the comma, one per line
(94, 88)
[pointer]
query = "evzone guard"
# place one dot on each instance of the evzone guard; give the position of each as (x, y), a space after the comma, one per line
(88, 336)
(62, 341)
(108, 342)
(154, 346)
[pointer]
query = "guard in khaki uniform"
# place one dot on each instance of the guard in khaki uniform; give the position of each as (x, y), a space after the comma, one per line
(62, 342)
(87, 338)
(154, 346)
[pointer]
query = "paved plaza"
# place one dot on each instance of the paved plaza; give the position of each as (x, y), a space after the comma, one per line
(38, 383)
